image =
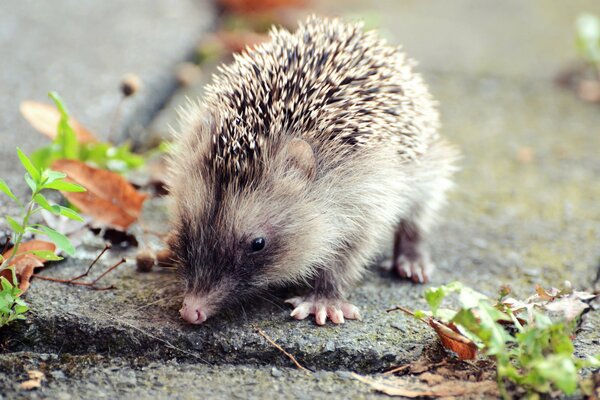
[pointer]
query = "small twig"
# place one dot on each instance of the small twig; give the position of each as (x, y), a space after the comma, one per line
(397, 369)
(400, 308)
(106, 247)
(91, 285)
(71, 282)
(278, 347)
(122, 261)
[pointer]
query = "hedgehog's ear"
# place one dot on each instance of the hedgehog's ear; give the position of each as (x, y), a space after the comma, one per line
(300, 156)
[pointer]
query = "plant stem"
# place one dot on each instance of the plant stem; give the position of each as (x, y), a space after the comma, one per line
(19, 236)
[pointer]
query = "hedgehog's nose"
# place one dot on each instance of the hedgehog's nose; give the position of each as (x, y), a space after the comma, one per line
(192, 310)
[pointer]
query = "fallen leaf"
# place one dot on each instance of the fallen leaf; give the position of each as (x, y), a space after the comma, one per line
(545, 294)
(249, 6)
(45, 118)
(413, 388)
(570, 307)
(25, 264)
(109, 198)
(453, 340)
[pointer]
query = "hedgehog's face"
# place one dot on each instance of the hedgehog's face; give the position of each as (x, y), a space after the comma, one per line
(236, 242)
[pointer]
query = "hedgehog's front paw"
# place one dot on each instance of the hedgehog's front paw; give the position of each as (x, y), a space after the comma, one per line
(336, 310)
(417, 268)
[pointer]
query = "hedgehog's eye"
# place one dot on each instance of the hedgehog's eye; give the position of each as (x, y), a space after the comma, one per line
(257, 244)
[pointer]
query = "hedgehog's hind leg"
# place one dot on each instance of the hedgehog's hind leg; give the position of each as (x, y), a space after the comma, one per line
(411, 258)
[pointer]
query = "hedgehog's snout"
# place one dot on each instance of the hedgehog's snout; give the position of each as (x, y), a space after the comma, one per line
(194, 309)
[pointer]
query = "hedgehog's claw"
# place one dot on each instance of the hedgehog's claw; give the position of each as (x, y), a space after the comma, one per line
(417, 269)
(336, 310)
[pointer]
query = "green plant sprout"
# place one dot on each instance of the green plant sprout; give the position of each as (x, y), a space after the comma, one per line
(12, 307)
(38, 180)
(537, 356)
(66, 146)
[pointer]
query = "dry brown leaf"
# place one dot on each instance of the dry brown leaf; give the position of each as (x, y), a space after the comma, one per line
(412, 388)
(44, 118)
(453, 340)
(249, 6)
(25, 264)
(109, 198)
(35, 380)
(546, 294)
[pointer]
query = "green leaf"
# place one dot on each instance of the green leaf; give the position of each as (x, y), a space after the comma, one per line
(65, 186)
(44, 156)
(66, 136)
(71, 214)
(31, 183)
(435, 295)
(52, 176)
(33, 171)
(46, 255)
(470, 298)
(16, 226)
(559, 369)
(56, 209)
(6, 285)
(43, 202)
(58, 101)
(58, 238)
(21, 309)
(6, 190)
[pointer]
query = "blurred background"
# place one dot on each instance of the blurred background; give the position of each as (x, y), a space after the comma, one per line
(517, 83)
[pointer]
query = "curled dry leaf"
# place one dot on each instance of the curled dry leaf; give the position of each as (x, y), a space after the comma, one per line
(25, 264)
(109, 198)
(412, 388)
(568, 302)
(453, 340)
(45, 118)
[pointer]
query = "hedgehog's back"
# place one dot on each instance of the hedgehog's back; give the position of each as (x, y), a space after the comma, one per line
(331, 83)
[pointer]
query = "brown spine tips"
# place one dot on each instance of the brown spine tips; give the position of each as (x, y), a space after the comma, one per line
(301, 157)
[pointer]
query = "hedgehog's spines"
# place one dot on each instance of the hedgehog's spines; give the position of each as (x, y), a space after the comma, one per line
(331, 83)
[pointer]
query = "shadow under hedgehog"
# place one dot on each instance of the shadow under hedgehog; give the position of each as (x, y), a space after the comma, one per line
(308, 154)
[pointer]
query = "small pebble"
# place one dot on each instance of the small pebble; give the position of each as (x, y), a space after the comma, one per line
(275, 372)
(144, 261)
(58, 374)
(330, 346)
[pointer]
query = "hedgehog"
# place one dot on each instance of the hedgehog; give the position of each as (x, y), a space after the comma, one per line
(309, 155)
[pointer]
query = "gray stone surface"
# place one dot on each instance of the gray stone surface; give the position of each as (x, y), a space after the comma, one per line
(511, 219)
(104, 377)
